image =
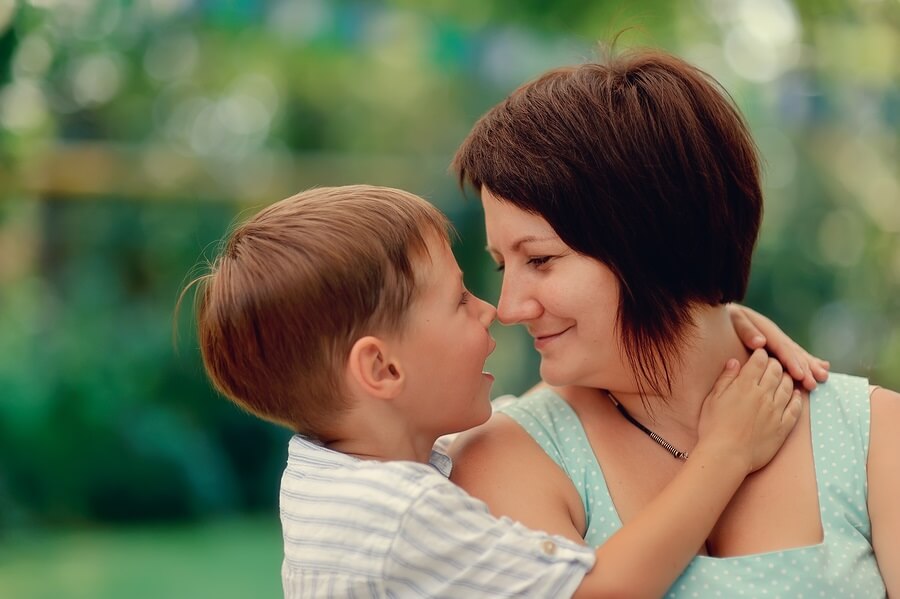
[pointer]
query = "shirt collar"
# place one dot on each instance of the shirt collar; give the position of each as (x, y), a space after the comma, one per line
(441, 462)
(438, 460)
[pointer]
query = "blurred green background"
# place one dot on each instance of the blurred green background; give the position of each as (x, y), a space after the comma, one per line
(133, 133)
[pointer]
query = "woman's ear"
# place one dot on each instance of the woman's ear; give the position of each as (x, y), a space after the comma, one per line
(374, 369)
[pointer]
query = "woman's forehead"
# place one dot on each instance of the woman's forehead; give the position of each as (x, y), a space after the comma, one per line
(513, 226)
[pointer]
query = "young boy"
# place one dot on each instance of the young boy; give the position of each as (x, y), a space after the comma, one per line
(341, 313)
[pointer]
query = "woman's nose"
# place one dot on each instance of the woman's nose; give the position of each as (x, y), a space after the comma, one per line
(515, 305)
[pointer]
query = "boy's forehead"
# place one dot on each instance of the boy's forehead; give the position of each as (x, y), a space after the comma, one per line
(439, 263)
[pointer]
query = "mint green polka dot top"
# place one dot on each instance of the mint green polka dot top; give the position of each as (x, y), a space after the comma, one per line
(843, 565)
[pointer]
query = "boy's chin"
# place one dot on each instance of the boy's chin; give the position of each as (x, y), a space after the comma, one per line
(483, 411)
(478, 416)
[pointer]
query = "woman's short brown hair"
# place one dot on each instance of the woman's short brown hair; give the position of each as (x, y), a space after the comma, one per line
(297, 285)
(643, 163)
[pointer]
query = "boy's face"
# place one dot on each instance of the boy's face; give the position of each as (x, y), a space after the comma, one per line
(444, 347)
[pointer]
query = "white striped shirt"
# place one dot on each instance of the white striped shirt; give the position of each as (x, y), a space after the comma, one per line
(363, 528)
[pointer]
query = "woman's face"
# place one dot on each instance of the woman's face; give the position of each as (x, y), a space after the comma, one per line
(567, 301)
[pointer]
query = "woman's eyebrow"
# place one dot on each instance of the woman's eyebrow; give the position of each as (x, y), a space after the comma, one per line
(527, 239)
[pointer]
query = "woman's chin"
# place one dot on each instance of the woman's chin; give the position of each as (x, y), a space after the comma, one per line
(553, 376)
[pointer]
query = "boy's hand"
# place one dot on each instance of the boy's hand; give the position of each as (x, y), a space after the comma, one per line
(756, 331)
(749, 411)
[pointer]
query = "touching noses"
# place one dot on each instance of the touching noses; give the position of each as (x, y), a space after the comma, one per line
(487, 313)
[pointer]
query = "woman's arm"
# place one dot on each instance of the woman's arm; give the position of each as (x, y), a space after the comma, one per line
(883, 470)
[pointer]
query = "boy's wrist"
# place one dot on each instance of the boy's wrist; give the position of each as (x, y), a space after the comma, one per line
(726, 457)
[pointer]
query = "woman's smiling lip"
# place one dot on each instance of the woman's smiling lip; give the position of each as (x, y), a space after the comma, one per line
(542, 341)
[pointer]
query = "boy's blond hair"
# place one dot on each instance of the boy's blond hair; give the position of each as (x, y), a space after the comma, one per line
(297, 285)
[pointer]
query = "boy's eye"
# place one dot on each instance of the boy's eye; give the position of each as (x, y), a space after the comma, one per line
(465, 297)
(501, 267)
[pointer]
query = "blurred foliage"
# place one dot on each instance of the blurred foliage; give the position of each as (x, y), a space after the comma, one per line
(133, 133)
(95, 392)
(226, 559)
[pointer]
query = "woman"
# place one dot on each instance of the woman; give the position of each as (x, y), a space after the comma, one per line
(622, 202)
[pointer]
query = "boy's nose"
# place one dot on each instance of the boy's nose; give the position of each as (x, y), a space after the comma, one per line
(488, 313)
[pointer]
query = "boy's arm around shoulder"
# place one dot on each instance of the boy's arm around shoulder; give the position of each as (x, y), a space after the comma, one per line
(499, 463)
(883, 472)
(448, 544)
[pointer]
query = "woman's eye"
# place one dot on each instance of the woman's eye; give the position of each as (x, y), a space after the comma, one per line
(538, 260)
(501, 267)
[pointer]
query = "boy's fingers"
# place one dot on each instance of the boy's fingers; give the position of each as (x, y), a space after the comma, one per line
(820, 369)
(795, 366)
(783, 392)
(809, 381)
(792, 411)
(747, 332)
(806, 380)
(727, 376)
(791, 357)
(772, 375)
(755, 366)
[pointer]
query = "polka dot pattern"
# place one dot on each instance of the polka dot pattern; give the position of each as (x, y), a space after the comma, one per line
(843, 565)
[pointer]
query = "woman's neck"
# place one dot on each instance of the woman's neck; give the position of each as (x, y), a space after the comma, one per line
(711, 341)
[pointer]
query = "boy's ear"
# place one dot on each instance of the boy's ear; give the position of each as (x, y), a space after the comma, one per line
(374, 369)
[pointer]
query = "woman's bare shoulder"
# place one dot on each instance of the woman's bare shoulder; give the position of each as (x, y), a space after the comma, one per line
(885, 411)
(501, 438)
(498, 440)
(885, 422)
(880, 394)
(883, 473)
(883, 462)
(500, 463)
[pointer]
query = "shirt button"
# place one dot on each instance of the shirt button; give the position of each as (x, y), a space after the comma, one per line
(548, 547)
